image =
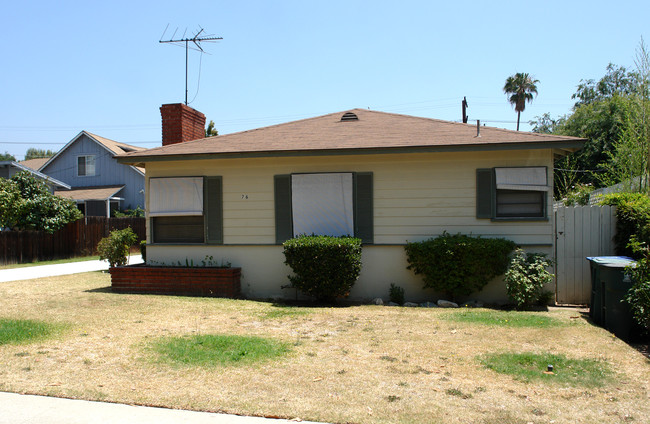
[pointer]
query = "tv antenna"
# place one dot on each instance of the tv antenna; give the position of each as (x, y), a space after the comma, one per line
(196, 40)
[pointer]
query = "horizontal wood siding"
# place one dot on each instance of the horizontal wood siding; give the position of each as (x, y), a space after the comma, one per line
(415, 196)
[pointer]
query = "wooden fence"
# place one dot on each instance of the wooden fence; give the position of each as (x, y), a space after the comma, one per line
(580, 232)
(79, 238)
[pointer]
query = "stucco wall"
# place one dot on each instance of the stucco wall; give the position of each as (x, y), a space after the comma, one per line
(416, 196)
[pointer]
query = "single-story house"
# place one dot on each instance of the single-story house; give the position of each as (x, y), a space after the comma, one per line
(386, 178)
(98, 184)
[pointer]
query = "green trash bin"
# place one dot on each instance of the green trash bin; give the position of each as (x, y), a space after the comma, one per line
(610, 284)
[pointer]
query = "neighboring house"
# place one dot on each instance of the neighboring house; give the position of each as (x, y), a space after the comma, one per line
(98, 183)
(386, 178)
(9, 168)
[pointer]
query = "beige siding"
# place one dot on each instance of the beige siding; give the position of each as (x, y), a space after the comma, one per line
(416, 196)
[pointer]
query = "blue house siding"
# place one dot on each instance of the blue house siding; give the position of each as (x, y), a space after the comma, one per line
(64, 167)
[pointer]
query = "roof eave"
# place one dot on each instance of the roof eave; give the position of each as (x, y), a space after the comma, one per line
(559, 146)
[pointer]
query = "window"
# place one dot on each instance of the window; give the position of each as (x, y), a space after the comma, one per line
(511, 193)
(86, 166)
(327, 204)
(186, 210)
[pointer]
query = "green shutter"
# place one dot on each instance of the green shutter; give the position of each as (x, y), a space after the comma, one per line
(363, 212)
(283, 218)
(213, 209)
(484, 193)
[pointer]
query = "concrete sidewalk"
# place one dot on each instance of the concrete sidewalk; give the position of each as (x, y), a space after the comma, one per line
(29, 409)
(40, 271)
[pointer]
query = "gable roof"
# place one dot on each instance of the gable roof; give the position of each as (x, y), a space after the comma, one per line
(371, 132)
(114, 147)
(34, 164)
(49, 180)
(90, 193)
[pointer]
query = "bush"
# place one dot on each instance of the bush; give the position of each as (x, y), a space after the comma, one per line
(632, 219)
(639, 294)
(579, 195)
(143, 250)
(325, 267)
(458, 265)
(116, 246)
(526, 277)
(396, 294)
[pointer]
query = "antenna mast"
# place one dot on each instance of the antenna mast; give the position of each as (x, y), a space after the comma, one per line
(197, 39)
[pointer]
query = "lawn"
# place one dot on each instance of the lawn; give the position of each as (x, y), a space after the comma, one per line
(362, 364)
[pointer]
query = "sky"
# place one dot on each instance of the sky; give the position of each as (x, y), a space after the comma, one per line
(69, 66)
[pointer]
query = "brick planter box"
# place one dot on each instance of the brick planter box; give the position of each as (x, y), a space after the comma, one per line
(183, 281)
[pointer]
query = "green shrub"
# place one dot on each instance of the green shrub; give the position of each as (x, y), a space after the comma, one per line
(325, 267)
(632, 219)
(458, 265)
(396, 294)
(143, 250)
(116, 246)
(579, 195)
(526, 277)
(639, 294)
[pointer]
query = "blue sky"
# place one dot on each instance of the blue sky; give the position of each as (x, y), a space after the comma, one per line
(98, 66)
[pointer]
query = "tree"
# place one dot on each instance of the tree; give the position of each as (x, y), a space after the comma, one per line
(7, 156)
(210, 130)
(545, 124)
(520, 89)
(34, 153)
(27, 204)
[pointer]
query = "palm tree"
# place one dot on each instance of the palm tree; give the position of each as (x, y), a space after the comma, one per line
(520, 88)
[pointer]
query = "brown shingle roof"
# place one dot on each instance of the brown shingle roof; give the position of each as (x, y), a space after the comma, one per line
(372, 130)
(34, 164)
(116, 147)
(90, 193)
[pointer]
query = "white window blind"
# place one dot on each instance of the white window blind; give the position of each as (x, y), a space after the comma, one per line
(176, 196)
(322, 204)
(529, 178)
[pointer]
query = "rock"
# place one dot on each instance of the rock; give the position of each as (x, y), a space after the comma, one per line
(428, 305)
(377, 301)
(392, 304)
(447, 304)
(410, 305)
(472, 304)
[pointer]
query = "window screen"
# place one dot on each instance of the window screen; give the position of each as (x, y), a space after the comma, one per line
(322, 204)
(176, 196)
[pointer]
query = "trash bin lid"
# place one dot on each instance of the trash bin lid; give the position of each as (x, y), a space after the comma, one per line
(612, 261)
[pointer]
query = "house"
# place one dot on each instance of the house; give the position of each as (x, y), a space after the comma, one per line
(99, 184)
(386, 178)
(9, 168)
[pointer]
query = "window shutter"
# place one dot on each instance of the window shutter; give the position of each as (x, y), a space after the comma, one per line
(283, 221)
(363, 211)
(213, 210)
(484, 193)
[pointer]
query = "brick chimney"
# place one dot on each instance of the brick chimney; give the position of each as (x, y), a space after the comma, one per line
(181, 123)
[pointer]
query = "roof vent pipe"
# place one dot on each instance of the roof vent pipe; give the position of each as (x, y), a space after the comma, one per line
(478, 127)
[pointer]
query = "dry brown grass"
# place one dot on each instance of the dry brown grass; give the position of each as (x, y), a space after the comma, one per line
(349, 364)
